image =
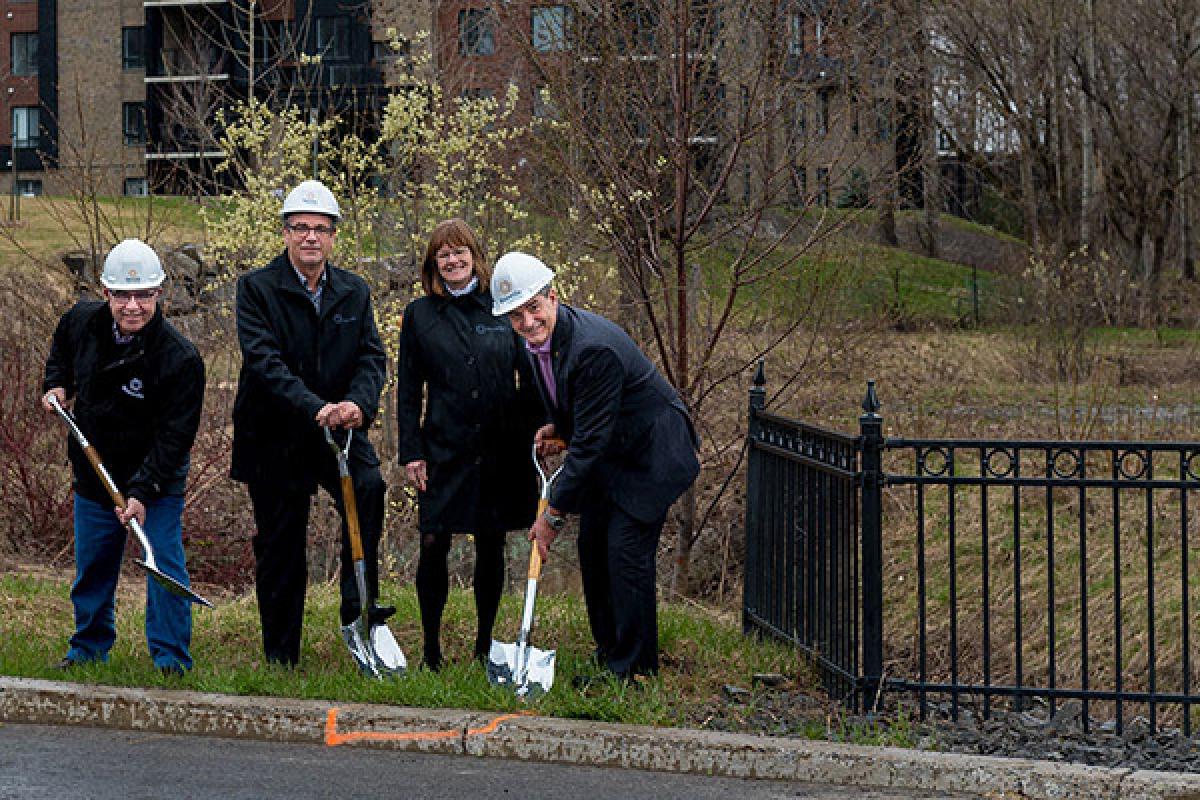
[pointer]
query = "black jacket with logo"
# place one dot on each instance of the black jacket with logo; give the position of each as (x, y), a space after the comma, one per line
(294, 361)
(138, 404)
(469, 372)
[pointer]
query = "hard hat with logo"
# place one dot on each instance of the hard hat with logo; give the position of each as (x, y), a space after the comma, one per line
(311, 197)
(516, 278)
(132, 264)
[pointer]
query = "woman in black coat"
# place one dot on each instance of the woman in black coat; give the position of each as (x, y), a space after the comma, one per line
(467, 454)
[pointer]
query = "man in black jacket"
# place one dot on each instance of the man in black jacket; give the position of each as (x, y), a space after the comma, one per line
(631, 454)
(138, 386)
(311, 359)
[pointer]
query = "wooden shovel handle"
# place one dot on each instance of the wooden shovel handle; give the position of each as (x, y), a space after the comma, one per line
(535, 557)
(356, 545)
(113, 492)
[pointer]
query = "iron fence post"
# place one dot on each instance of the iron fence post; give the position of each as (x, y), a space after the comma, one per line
(871, 430)
(758, 401)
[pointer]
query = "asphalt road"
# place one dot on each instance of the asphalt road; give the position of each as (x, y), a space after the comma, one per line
(39, 762)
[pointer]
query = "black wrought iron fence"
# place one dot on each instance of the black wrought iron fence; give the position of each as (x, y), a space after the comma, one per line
(978, 571)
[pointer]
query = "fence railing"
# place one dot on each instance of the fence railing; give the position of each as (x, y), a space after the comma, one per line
(978, 571)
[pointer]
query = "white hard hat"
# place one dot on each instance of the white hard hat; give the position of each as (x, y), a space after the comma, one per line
(311, 197)
(516, 278)
(132, 264)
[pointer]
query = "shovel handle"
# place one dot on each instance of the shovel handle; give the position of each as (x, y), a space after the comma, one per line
(113, 492)
(535, 555)
(356, 545)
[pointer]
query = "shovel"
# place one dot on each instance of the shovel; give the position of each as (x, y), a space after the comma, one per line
(528, 670)
(166, 581)
(373, 647)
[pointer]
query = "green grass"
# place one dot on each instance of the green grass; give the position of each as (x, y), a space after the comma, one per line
(700, 654)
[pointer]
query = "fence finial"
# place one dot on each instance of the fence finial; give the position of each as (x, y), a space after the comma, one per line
(758, 392)
(870, 403)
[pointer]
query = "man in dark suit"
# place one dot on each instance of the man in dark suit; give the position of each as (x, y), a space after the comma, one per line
(631, 452)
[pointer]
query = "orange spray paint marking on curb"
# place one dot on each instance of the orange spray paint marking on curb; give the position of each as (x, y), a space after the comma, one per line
(333, 738)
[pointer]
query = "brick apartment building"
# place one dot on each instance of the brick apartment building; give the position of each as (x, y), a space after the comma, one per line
(128, 89)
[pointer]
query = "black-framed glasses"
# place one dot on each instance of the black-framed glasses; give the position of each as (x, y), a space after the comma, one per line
(304, 230)
(140, 295)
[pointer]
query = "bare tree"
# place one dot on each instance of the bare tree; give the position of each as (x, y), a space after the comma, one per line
(703, 141)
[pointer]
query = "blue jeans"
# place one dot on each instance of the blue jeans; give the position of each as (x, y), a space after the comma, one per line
(99, 548)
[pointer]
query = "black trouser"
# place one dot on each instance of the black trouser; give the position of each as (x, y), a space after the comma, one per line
(280, 557)
(433, 586)
(617, 559)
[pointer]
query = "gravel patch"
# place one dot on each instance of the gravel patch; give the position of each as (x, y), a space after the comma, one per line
(779, 709)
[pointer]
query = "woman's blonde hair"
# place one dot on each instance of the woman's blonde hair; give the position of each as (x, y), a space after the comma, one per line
(455, 233)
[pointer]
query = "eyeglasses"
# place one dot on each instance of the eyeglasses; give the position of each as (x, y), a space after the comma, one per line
(305, 230)
(140, 295)
(453, 252)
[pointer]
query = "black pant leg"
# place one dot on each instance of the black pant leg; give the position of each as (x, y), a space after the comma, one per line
(593, 569)
(280, 567)
(369, 495)
(488, 586)
(632, 570)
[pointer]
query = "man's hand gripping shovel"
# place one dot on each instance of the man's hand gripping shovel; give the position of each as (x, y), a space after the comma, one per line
(527, 669)
(373, 647)
(147, 561)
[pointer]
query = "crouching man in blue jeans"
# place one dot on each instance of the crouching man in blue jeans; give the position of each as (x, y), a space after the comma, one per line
(138, 386)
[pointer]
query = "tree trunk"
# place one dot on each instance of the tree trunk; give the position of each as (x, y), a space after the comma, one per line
(1029, 197)
(1086, 136)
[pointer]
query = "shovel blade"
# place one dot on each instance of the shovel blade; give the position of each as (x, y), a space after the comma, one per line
(389, 658)
(377, 655)
(360, 649)
(171, 585)
(534, 680)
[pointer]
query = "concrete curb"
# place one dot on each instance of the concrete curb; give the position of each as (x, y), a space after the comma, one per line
(455, 732)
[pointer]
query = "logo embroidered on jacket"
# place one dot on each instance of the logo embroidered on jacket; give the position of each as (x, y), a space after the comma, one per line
(134, 388)
(481, 329)
(338, 319)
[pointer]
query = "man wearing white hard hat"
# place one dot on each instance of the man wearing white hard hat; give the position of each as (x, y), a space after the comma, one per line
(311, 359)
(631, 452)
(137, 386)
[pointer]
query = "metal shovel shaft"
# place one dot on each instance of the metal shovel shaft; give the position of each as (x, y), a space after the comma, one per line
(373, 648)
(519, 664)
(148, 561)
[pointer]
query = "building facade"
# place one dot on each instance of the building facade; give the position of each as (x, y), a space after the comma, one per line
(124, 94)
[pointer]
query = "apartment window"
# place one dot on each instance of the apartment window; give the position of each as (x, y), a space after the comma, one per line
(799, 188)
(476, 32)
(136, 187)
(24, 49)
(883, 120)
(133, 52)
(333, 38)
(477, 94)
(799, 120)
(645, 29)
(25, 128)
(29, 187)
(548, 27)
(269, 38)
(134, 122)
(543, 104)
(795, 34)
(823, 103)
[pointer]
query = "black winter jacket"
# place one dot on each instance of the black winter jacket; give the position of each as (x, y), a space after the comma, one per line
(480, 412)
(138, 404)
(294, 361)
